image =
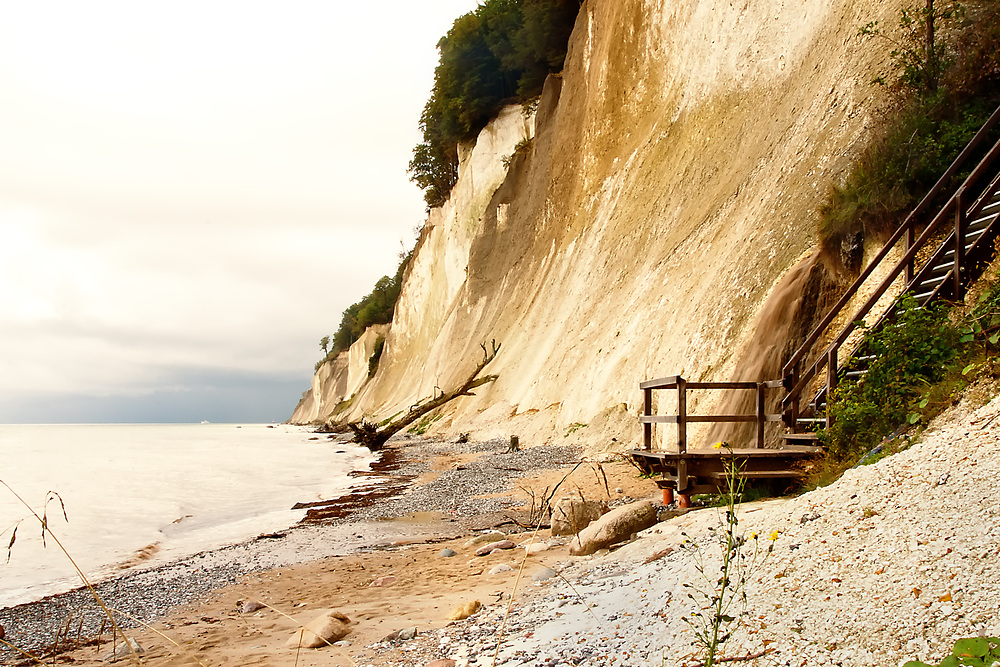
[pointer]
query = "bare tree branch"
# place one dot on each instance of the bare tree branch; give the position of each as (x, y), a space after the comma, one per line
(372, 437)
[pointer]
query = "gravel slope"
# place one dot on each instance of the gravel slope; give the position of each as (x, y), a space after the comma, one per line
(893, 562)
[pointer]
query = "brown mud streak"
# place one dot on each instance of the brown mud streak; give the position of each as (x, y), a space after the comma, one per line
(389, 486)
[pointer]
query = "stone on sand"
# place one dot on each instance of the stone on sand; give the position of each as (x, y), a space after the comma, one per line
(482, 538)
(250, 606)
(543, 574)
(447, 553)
(572, 514)
(387, 580)
(493, 546)
(323, 630)
(466, 610)
(442, 662)
(616, 526)
(502, 567)
(122, 651)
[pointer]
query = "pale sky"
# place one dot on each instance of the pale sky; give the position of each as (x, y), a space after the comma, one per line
(192, 192)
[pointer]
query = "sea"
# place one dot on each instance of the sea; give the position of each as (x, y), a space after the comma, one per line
(119, 496)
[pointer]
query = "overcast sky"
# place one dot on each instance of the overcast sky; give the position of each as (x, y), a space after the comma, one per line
(192, 192)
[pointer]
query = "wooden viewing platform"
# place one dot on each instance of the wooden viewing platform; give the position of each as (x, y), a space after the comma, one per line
(687, 472)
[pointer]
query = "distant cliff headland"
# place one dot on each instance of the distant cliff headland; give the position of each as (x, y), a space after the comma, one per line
(616, 191)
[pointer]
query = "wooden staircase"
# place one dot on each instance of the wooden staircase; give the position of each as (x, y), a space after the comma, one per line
(939, 263)
(938, 260)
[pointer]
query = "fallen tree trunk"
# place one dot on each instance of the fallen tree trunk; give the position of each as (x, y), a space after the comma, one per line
(371, 436)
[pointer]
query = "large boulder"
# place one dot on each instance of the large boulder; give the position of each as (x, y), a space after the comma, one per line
(572, 514)
(323, 630)
(616, 526)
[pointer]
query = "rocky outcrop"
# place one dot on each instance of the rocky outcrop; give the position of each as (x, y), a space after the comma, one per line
(673, 176)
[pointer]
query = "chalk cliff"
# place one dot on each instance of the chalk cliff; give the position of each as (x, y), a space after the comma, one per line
(672, 178)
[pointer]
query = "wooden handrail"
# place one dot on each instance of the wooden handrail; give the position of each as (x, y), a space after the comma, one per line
(818, 330)
(682, 418)
(795, 384)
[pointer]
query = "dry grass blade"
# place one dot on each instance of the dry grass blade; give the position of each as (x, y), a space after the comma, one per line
(13, 538)
(43, 520)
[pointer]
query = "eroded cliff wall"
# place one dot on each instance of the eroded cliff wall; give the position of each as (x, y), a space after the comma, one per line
(674, 177)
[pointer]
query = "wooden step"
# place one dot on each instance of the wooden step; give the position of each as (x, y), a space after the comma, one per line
(800, 437)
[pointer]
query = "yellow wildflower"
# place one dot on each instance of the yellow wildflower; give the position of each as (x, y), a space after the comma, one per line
(718, 445)
(774, 535)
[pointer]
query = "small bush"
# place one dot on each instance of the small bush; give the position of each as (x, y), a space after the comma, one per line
(911, 353)
(376, 355)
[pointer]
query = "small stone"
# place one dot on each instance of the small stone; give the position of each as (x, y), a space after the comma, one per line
(3, 633)
(406, 634)
(502, 567)
(250, 606)
(543, 574)
(122, 651)
(809, 516)
(447, 553)
(943, 479)
(483, 538)
(493, 546)
(536, 547)
(385, 581)
(619, 490)
(443, 662)
(466, 610)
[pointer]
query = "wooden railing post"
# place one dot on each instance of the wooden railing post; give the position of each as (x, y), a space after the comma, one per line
(792, 412)
(761, 416)
(681, 415)
(831, 382)
(647, 410)
(907, 242)
(959, 241)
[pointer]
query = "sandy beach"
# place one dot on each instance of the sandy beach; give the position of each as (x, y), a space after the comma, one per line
(424, 496)
(893, 562)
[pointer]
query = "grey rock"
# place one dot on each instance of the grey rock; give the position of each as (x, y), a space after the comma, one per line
(250, 606)
(572, 514)
(615, 526)
(447, 553)
(543, 574)
(122, 652)
(490, 548)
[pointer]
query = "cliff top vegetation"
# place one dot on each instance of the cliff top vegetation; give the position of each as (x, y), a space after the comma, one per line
(496, 55)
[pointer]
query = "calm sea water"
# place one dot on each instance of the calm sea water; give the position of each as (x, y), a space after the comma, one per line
(166, 489)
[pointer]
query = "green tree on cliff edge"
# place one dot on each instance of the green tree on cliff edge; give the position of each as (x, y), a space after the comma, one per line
(496, 55)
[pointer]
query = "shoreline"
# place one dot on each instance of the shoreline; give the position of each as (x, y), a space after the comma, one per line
(396, 508)
(893, 562)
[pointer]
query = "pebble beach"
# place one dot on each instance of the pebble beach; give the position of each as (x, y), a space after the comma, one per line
(893, 562)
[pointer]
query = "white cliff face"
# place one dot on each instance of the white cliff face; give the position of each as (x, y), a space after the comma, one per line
(338, 379)
(674, 176)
